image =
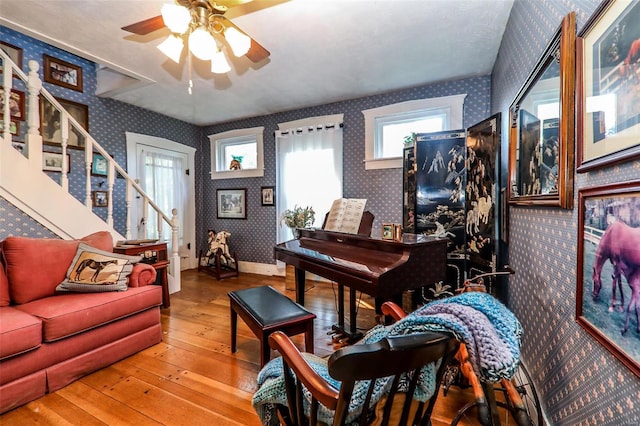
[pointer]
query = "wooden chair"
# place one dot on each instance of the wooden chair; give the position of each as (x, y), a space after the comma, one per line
(390, 357)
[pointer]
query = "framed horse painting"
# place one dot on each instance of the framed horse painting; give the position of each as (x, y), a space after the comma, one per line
(608, 274)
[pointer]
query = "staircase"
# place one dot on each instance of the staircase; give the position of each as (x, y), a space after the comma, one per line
(25, 185)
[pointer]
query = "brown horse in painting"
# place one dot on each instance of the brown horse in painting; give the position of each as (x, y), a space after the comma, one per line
(620, 245)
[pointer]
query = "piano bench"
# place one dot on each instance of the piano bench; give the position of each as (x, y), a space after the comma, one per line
(266, 310)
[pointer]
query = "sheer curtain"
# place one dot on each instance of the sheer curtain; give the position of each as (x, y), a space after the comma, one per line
(309, 171)
(162, 178)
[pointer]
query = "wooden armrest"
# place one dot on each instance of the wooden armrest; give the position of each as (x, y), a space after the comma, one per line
(319, 387)
(393, 310)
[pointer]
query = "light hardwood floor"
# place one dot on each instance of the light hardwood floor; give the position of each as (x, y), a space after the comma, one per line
(192, 378)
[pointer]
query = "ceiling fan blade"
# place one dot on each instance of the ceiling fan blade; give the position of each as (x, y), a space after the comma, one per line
(256, 52)
(146, 26)
(245, 7)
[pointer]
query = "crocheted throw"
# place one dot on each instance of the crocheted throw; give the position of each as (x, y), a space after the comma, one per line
(490, 331)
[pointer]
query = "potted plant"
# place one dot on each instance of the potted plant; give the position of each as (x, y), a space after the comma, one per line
(298, 217)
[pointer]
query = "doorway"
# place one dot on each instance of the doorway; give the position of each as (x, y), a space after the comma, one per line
(165, 170)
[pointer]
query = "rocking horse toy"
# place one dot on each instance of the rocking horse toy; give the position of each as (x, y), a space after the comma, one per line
(218, 260)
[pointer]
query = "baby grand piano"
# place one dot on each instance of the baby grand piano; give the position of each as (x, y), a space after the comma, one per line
(377, 267)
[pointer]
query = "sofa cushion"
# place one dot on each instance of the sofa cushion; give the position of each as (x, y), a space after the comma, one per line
(35, 266)
(94, 271)
(72, 313)
(19, 332)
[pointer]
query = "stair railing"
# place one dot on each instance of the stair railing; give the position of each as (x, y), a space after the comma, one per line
(33, 152)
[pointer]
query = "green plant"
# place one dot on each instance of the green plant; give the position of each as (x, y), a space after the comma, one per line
(298, 217)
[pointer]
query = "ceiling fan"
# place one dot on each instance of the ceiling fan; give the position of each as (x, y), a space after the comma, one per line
(203, 24)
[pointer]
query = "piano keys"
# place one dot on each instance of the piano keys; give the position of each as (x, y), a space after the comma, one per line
(377, 267)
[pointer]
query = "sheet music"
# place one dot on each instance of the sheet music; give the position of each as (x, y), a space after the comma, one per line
(345, 215)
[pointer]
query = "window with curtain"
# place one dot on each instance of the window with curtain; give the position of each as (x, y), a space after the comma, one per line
(162, 176)
(309, 167)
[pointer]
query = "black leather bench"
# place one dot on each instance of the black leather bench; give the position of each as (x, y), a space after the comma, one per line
(266, 310)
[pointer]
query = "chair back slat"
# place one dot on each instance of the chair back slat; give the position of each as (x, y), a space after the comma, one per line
(392, 357)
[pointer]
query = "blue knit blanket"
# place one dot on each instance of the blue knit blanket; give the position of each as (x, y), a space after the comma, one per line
(490, 331)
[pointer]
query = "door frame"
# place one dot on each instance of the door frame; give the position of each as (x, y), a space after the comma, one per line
(189, 233)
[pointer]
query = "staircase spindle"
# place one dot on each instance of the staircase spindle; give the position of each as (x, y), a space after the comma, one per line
(64, 128)
(110, 175)
(145, 216)
(7, 82)
(88, 157)
(127, 201)
(159, 224)
(33, 138)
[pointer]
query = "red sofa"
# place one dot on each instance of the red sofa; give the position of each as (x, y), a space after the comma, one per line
(48, 338)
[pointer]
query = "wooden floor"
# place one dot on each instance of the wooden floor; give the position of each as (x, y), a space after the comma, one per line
(192, 378)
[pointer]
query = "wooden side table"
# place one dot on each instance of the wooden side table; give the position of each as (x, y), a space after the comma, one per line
(156, 255)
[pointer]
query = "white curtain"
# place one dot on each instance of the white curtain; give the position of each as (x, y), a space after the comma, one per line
(309, 171)
(162, 178)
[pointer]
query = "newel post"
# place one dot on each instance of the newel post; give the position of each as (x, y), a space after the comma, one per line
(33, 138)
(175, 257)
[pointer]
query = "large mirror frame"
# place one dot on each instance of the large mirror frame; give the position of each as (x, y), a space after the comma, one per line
(542, 175)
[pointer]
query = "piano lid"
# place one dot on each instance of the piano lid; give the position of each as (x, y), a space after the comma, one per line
(354, 252)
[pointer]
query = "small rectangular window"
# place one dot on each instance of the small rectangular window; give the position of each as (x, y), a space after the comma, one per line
(237, 153)
(387, 127)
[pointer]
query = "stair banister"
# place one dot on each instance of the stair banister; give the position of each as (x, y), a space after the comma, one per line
(33, 151)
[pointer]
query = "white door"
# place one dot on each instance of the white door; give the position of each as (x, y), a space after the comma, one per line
(164, 169)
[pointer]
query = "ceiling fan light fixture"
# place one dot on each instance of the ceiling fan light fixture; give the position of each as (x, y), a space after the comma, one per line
(219, 64)
(176, 17)
(202, 43)
(240, 43)
(172, 47)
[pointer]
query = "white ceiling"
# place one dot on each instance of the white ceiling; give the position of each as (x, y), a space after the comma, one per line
(322, 51)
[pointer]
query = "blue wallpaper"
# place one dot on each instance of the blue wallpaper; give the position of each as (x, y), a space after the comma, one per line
(580, 382)
(254, 238)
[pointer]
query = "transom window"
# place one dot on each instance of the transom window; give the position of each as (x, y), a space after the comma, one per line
(237, 148)
(386, 127)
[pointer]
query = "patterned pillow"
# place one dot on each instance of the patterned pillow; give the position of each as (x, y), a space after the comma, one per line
(94, 270)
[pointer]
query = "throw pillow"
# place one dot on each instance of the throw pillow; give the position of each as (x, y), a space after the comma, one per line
(94, 270)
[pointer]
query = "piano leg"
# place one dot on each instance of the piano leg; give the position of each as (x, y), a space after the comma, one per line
(340, 334)
(300, 274)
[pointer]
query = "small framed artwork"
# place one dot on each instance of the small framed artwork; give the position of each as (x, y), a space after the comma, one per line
(16, 104)
(608, 261)
(388, 231)
(232, 203)
(14, 127)
(14, 52)
(99, 165)
(268, 194)
(608, 105)
(62, 73)
(51, 127)
(52, 162)
(100, 198)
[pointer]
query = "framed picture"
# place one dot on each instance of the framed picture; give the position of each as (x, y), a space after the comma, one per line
(14, 52)
(56, 71)
(608, 262)
(608, 101)
(16, 104)
(388, 231)
(99, 165)
(100, 198)
(52, 162)
(14, 127)
(50, 122)
(541, 121)
(268, 194)
(232, 203)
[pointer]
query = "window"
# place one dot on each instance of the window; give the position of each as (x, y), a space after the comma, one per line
(387, 126)
(243, 147)
(309, 166)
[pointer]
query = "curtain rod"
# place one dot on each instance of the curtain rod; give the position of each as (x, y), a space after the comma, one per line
(312, 128)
